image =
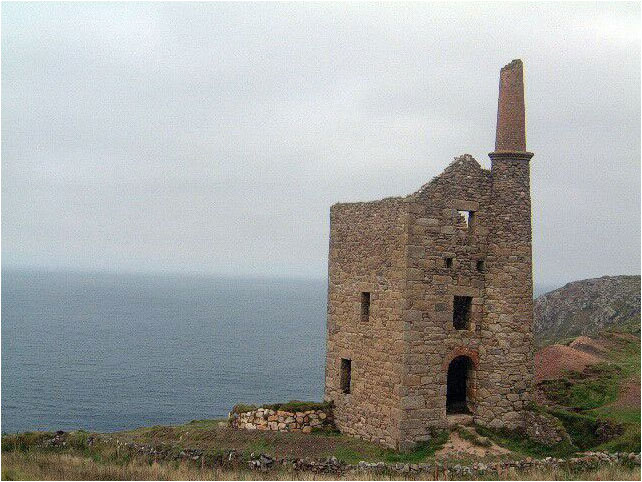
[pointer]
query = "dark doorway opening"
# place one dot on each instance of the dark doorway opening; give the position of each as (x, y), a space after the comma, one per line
(458, 385)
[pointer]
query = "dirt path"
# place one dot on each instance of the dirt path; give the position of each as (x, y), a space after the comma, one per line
(457, 447)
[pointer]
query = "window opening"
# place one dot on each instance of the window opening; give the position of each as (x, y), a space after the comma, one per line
(346, 375)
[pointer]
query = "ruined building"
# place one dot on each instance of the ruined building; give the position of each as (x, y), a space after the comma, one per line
(430, 298)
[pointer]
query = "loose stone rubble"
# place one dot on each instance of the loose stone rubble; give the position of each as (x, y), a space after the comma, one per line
(545, 428)
(282, 421)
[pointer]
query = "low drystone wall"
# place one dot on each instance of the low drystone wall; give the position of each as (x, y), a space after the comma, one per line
(282, 420)
(438, 469)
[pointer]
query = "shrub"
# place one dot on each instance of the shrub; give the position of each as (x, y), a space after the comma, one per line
(242, 408)
(24, 441)
(298, 406)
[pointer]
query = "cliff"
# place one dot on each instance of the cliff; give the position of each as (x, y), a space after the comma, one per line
(588, 306)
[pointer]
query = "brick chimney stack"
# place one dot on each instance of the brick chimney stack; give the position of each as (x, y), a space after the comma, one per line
(511, 122)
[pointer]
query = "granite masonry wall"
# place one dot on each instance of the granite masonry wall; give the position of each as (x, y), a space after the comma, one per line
(281, 420)
(367, 255)
(421, 285)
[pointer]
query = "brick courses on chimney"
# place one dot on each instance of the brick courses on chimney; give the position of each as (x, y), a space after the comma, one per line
(415, 359)
(511, 119)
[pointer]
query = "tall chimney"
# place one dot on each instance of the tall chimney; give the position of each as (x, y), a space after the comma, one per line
(511, 122)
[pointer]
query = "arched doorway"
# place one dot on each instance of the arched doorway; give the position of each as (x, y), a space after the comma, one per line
(459, 385)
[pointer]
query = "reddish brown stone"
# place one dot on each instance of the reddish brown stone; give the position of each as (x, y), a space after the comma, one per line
(511, 118)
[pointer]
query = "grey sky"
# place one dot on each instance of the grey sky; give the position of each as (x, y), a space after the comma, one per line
(214, 137)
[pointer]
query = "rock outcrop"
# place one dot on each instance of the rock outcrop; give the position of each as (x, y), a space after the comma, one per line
(587, 307)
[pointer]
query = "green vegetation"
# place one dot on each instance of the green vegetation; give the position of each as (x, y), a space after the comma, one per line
(517, 441)
(66, 466)
(291, 406)
(298, 406)
(594, 387)
(591, 405)
(24, 441)
(597, 397)
(473, 437)
(581, 428)
(420, 452)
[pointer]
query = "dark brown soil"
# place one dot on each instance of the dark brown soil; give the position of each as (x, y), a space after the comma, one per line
(217, 437)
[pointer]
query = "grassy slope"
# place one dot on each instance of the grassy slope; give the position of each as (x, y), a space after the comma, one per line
(627, 357)
(215, 437)
(582, 398)
(210, 435)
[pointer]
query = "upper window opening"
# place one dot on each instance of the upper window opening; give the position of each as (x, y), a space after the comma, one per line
(469, 218)
(448, 262)
(461, 312)
(481, 266)
(365, 306)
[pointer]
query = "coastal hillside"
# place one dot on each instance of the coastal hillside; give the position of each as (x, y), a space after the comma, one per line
(587, 307)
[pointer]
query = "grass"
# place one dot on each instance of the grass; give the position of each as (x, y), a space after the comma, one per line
(581, 400)
(596, 386)
(473, 437)
(581, 428)
(521, 444)
(215, 438)
(291, 406)
(38, 465)
(420, 452)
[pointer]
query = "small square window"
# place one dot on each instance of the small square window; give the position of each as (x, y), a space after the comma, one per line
(461, 312)
(469, 219)
(346, 375)
(481, 265)
(365, 306)
(448, 262)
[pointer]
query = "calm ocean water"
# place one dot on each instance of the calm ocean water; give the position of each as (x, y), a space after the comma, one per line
(109, 352)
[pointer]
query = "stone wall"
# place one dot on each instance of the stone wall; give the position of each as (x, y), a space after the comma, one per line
(282, 421)
(367, 255)
(438, 231)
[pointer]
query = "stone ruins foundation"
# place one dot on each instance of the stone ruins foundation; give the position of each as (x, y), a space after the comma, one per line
(430, 297)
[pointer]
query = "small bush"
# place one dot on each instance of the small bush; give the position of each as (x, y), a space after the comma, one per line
(24, 441)
(242, 408)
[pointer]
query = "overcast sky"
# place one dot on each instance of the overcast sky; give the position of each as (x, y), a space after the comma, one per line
(214, 137)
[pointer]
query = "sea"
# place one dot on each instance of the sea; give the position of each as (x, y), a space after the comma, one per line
(107, 352)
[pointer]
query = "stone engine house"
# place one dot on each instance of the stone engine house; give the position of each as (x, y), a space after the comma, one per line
(430, 296)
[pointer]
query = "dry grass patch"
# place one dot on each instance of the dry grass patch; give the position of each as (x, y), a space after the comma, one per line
(33, 465)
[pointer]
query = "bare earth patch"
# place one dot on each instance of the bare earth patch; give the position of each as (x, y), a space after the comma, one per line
(552, 361)
(457, 447)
